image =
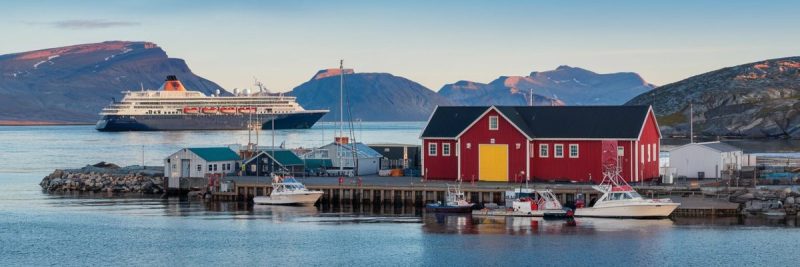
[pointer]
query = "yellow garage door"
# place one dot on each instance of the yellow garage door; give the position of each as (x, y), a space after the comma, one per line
(493, 162)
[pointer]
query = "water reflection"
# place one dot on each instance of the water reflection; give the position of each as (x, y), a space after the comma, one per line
(468, 224)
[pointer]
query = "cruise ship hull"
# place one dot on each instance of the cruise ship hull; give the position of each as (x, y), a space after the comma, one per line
(118, 123)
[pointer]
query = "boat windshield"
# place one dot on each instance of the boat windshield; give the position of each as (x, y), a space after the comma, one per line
(619, 196)
(634, 194)
(290, 180)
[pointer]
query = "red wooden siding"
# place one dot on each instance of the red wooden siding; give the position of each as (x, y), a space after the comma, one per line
(479, 133)
(440, 167)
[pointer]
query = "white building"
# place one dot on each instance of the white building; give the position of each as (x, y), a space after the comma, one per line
(368, 158)
(198, 162)
(707, 160)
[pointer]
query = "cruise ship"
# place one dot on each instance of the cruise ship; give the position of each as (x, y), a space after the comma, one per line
(173, 108)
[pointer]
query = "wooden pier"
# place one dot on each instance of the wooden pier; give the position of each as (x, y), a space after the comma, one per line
(694, 203)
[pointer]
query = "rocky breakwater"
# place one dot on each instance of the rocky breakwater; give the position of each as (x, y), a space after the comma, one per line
(105, 177)
(768, 201)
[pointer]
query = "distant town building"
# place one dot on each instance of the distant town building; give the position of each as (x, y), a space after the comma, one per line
(403, 156)
(706, 160)
(542, 143)
(265, 162)
(198, 163)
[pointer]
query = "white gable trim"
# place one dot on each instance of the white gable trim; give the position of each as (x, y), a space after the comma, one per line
(487, 112)
(655, 120)
(259, 154)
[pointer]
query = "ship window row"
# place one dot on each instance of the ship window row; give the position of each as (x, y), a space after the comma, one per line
(159, 112)
(216, 102)
(206, 105)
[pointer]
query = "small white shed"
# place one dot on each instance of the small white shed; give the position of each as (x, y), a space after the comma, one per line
(705, 160)
(197, 162)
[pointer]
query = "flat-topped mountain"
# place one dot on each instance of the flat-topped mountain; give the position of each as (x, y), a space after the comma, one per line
(73, 83)
(370, 96)
(759, 99)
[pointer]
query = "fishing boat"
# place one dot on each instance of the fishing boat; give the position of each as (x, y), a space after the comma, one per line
(620, 200)
(528, 202)
(286, 190)
(455, 202)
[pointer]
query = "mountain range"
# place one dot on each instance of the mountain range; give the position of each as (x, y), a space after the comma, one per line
(756, 100)
(563, 86)
(385, 97)
(72, 84)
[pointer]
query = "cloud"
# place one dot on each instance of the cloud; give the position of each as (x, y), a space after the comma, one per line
(80, 24)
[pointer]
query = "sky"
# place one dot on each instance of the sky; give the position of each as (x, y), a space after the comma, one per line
(283, 43)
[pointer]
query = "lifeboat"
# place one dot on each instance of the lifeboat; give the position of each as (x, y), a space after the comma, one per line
(227, 110)
(191, 110)
(210, 110)
(247, 110)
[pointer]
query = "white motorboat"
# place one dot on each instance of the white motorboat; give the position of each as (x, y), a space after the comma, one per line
(620, 200)
(286, 190)
(527, 202)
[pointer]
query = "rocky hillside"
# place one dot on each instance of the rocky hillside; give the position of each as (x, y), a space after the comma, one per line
(760, 99)
(371, 96)
(564, 85)
(73, 83)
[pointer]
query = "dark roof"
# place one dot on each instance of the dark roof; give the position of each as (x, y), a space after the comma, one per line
(613, 122)
(721, 147)
(215, 153)
(284, 157)
(450, 121)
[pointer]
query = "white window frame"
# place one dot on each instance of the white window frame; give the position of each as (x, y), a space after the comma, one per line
(654, 151)
(432, 149)
(620, 151)
(641, 147)
(649, 159)
(577, 151)
(496, 121)
(555, 150)
(445, 149)
(546, 153)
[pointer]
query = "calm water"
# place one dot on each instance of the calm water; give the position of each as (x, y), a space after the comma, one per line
(40, 229)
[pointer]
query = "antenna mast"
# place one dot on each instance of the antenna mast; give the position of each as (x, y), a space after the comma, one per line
(530, 101)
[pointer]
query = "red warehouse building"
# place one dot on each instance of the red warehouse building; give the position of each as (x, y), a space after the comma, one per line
(512, 144)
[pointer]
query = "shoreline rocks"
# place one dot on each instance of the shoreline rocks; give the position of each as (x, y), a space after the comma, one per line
(104, 177)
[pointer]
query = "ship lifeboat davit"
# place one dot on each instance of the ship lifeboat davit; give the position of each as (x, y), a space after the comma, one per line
(247, 110)
(191, 110)
(227, 110)
(210, 110)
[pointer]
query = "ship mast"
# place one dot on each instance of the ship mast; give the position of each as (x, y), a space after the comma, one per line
(341, 113)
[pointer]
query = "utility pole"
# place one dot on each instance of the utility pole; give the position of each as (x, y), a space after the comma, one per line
(691, 124)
